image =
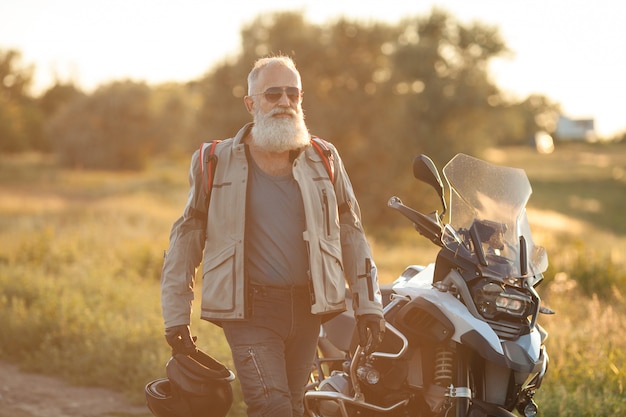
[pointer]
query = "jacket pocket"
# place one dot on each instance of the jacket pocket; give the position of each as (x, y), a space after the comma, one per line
(219, 286)
(330, 215)
(332, 271)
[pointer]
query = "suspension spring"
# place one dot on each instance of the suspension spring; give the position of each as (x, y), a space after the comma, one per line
(444, 362)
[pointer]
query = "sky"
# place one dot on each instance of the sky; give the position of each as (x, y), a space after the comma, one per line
(571, 51)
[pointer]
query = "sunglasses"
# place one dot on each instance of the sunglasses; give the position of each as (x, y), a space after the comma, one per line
(273, 94)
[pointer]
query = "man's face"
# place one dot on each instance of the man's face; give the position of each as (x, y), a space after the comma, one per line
(271, 77)
(276, 105)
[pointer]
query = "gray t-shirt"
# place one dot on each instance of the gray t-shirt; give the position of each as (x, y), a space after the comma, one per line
(276, 251)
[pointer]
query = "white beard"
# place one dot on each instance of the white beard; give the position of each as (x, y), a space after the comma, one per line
(280, 134)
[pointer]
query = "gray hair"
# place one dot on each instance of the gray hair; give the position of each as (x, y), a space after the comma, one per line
(262, 63)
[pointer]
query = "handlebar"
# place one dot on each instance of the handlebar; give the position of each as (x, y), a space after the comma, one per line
(428, 226)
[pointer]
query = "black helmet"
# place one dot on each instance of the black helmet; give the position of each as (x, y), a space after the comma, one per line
(196, 386)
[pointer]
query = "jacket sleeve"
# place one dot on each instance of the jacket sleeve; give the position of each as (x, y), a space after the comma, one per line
(186, 246)
(359, 267)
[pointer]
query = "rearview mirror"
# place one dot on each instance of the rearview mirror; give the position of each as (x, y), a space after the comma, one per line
(424, 169)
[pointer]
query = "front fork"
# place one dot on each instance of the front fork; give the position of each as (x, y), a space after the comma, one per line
(452, 374)
(462, 391)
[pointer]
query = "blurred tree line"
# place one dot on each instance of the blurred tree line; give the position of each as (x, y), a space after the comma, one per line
(382, 93)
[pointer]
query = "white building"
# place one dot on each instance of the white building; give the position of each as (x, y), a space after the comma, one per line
(575, 129)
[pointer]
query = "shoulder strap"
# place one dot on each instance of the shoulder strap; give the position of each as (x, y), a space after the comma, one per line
(209, 170)
(322, 148)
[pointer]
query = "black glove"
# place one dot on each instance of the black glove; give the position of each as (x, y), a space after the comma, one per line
(179, 338)
(371, 328)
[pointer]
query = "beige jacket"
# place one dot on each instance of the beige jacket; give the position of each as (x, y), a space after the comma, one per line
(338, 249)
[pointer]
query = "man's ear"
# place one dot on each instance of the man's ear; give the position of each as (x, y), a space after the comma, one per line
(249, 103)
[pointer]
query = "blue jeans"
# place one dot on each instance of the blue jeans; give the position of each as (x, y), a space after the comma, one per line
(273, 352)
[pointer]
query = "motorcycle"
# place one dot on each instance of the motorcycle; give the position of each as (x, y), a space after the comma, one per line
(462, 337)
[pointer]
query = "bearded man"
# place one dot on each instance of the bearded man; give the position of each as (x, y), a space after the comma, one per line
(278, 242)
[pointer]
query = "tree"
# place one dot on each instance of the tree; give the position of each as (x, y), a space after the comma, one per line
(441, 69)
(53, 100)
(174, 108)
(111, 129)
(20, 119)
(57, 96)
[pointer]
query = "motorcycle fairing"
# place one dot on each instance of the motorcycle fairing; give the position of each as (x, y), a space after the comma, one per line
(455, 311)
(423, 320)
(524, 354)
(521, 355)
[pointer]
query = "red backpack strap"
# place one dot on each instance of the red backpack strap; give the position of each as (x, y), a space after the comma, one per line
(211, 161)
(323, 149)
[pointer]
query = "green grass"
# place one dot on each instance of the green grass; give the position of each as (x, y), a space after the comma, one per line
(81, 253)
(587, 354)
(582, 181)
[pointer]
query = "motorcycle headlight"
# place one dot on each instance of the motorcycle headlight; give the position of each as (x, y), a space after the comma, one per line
(492, 299)
(512, 304)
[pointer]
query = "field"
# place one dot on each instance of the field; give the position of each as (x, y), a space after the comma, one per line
(81, 253)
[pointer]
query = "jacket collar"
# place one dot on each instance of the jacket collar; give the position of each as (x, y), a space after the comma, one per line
(243, 132)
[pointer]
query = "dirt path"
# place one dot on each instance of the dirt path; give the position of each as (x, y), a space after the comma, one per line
(32, 395)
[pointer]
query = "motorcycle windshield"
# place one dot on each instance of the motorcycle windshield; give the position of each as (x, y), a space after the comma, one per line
(488, 223)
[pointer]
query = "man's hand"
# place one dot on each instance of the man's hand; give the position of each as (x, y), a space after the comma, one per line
(179, 338)
(371, 328)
